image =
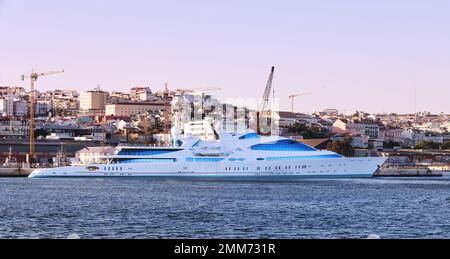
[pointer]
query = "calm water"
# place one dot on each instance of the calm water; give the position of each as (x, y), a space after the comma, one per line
(111, 208)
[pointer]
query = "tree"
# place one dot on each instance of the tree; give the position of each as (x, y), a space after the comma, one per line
(426, 145)
(309, 132)
(41, 133)
(391, 144)
(446, 145)
(343, 147)
(148, 135)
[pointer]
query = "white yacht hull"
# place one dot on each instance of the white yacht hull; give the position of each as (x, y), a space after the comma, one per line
(258, 170)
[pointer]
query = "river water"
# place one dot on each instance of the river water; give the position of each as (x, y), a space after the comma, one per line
(114, 208)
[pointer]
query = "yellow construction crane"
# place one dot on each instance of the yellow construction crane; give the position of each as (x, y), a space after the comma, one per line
(33, 76)
(292, 97)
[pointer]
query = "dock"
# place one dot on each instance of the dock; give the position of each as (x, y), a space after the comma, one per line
(15, 172)
(407, 171)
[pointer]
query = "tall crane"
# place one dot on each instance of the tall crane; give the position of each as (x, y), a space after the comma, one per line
(33, 76)
(292, 97)
(262, 111)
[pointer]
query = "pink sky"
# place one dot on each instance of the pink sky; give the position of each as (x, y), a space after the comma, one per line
(365, 55)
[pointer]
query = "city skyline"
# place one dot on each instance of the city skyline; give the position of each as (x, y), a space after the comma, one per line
(377, 57)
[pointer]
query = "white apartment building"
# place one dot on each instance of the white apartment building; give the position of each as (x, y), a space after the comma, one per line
(203, 129)
(141, 94)
(363, 127)
(6, 107)
(200, 129)
(287, 119)
(14, 129)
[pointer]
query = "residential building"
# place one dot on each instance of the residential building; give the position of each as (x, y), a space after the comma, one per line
(116, 97)
(370, 128)
(376, 144)
(61, 101)
(143, 94)
(43, 108)
(126, 109)
(94, 101)
(20, 108)
(341, 126)
(14, 91)
(287, 119)
(360, 141)
(6, 107)
(391, 134)
(199, 129)
(15, 129)
(331, 112)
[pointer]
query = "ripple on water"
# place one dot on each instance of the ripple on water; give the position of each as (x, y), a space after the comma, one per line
(111, 208)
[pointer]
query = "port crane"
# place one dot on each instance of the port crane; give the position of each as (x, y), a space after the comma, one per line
(33, 76)
(292, 98)
(262, 111)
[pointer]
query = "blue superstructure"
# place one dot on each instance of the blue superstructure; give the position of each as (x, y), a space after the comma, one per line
(283, 145)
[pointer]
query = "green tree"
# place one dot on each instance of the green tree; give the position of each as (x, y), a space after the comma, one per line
(426, 145)
(446, 145)
(309, 132)
(41, 133)
(391, 144)
(343, 147)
